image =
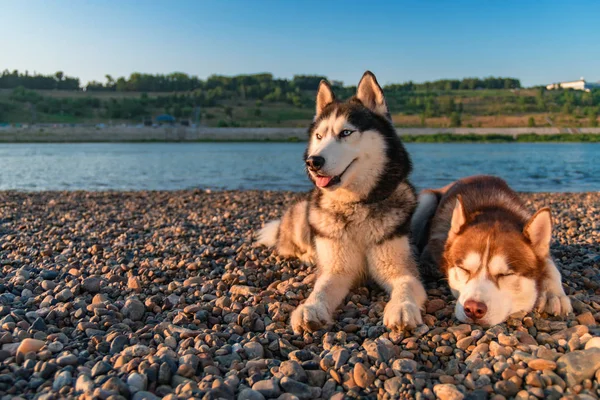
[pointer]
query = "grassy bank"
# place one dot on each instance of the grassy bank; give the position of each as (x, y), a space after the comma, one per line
(435, 138)
(527, 138)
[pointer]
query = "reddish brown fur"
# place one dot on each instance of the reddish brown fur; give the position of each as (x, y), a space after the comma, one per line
(494, 213)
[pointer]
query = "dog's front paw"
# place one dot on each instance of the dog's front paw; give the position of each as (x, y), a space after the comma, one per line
(554, 304)
(310, 318)
(399, 315)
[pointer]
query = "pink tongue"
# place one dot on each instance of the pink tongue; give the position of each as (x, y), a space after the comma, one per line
(323, 181)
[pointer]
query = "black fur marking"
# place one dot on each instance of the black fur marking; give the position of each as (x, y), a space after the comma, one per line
(400, 230)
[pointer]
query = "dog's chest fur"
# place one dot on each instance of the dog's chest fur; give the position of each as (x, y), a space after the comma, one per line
(362, 224)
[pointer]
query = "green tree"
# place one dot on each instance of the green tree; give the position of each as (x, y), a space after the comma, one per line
(455, 120)
(531, 122)
(593, 117)
(229, 112)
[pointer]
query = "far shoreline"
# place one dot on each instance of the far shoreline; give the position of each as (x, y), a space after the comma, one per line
(172, 133)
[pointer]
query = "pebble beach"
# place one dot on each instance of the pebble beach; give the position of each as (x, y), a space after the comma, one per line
(149, 295)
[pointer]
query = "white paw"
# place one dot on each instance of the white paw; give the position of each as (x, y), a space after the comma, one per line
(310, 318)
(554, 304)
(401, 315)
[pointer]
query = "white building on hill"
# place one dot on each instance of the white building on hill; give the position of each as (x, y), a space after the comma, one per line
(581, 84)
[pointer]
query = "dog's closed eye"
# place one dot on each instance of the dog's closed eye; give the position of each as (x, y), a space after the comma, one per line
(506, 274)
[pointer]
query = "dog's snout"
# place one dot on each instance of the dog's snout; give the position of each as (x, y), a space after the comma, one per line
(315, 162)
(475, 309)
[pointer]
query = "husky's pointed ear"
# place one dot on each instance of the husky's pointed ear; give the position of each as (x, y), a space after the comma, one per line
(325, 96)
(371, 95)
(539, 231)
(458, 216)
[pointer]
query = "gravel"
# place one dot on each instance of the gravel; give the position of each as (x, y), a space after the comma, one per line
(148, 295)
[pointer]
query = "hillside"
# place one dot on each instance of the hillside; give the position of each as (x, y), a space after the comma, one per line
(263, 101)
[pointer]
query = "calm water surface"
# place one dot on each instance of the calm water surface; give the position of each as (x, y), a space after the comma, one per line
(534, 167)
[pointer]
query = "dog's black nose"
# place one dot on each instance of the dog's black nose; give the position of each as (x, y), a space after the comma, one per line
(315, 162)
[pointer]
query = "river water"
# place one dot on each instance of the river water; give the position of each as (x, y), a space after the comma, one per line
(531, 167)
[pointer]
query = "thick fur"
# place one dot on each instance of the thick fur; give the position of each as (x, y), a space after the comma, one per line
(479, 235)
(359, 226)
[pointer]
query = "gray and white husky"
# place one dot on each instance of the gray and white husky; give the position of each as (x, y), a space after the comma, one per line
(356, 222)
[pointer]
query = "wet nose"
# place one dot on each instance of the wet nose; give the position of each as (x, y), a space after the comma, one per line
(475, 309)
(315, 162)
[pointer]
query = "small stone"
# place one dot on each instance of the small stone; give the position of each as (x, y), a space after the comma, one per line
(114, 384)
(268, 388)
(340, 357)
(507, 340)
(506, 388)
(435, 305)
(138, 350)
(254, 350)
(47, 274)
(316, 378)
(587, 319)
(534, 379)
(145, 396)
(67, 359)
(137, 382)
(382, 349)
(242, 290)
(299, 389)
(593, 343)
(101, 368)
(134, 284)
(292, 369)
(249, 394)
(64, 295)
(228, 359)
(134, 309)
(462, 329)
(92, 284)
(540, 364)
(55, 347)
(405, 366)
(63, 379)
(444, 350)
(363, 377)
(118, 344)
(84, 384)
(38, 325)
(392, 386)
(465, 342)
(447, 391)
(578, 365)
(29, 345)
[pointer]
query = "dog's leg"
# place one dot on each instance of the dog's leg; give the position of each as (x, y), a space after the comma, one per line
(340, 267)
(393, 267)
(552, 298)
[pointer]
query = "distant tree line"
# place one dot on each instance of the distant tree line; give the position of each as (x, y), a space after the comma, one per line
(251, 86)
(14, 79)
(456, 84)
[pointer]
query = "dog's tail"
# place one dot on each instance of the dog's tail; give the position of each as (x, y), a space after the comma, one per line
(421, 219)
(267, 236)
(291, 235)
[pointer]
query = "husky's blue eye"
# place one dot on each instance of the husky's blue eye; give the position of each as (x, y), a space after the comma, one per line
(346, 133)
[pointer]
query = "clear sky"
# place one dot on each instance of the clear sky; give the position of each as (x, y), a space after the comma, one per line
(539, 41)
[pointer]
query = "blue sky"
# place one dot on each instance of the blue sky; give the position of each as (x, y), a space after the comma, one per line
(538, 41)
